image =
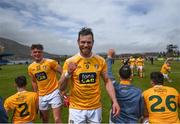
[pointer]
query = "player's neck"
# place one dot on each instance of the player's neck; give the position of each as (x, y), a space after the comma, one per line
(86, 55)
(39, 61)
(125, 81)
(21, 89)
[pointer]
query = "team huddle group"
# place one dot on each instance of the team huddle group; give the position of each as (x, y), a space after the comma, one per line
(80, 76)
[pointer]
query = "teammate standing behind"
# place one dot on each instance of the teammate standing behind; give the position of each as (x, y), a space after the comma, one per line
(166, 69)
(43, 74)
(24, 104)
(132, 62)
(84, 69)
(161, 101)
(129, 97)
(140, 66)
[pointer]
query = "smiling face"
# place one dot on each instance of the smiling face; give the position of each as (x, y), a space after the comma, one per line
(37, 54)
(85, 43)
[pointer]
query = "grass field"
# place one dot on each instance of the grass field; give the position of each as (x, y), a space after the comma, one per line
(9, 72)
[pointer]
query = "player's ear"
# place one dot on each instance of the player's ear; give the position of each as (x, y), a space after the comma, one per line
(31, 54)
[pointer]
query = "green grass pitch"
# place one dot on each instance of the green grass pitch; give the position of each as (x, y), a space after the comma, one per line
(9, 72)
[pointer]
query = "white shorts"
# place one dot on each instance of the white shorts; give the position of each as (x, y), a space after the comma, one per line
(139, 67)
(132, 66)
(166, 76)
(77, 116)
(53, 99)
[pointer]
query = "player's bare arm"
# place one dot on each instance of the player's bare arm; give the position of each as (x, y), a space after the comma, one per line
(34, 84)
(111, 92)
(59, 69)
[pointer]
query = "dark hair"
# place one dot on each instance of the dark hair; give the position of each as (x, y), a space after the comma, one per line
(157, 77)
(37, 46)
(85, 31)
(21, 81)
(125, 72)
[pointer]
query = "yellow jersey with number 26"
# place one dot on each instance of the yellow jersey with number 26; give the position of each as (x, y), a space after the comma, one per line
(162, 104)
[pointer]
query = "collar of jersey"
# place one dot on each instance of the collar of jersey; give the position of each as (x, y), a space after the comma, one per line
(40, 61)
(86, 57)
(158, 85)
(22, 91)
(125, 82)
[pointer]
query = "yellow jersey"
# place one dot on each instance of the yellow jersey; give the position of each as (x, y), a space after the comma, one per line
(24, 104)
(162, 104)
(85, 81)
(45, 75)
(132, 61)
(139, 61)
(165, 69)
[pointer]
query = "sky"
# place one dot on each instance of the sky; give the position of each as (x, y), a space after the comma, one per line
(128, 26)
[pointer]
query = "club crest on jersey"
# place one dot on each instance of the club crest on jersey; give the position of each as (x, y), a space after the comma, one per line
(38, 68)
(41, 76)
(87, 64)
(96, 66)
(87, 78)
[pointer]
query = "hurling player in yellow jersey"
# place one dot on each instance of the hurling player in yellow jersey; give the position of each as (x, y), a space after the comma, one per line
(166, 69)
(161, 101)
(140, 66)
(84, 70)
(24, 104)
(43, 74)
(132, 62)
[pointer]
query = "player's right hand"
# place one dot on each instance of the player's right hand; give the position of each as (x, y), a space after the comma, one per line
(71, 67)
(66, 101)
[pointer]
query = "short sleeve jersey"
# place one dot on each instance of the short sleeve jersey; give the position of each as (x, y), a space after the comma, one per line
(44, 74)
(85, 81)
(132, 61)
(165, 68)
(140, 62)
(24, 106)
(162, 104)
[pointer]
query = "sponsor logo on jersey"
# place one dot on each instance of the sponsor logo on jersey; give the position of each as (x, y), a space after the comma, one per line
(87, 78)
(41, 76)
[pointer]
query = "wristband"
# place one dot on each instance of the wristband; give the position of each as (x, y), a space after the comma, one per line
(67, 75)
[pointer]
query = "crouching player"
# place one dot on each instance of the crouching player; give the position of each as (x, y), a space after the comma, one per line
(161, 101)
(24, 104)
